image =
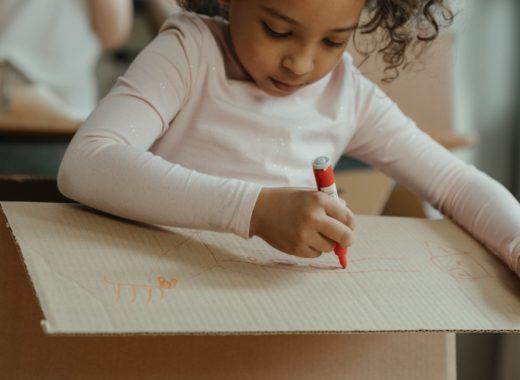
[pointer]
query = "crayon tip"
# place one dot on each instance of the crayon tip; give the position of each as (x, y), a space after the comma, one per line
(343, 261)
(341, 252)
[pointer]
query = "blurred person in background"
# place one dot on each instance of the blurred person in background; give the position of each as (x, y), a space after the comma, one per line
(48, 56)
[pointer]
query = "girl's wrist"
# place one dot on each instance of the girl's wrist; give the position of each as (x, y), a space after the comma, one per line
(258, 211)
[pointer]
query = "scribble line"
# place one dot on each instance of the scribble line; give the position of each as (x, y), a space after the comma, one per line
(458, 264)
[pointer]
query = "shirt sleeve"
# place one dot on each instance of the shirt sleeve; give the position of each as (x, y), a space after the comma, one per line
(108, 165)
(389, 141)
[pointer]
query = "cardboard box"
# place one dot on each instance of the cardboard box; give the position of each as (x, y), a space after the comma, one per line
(25, 352)
(424, 92)
(402, 202)
(245, 312)
(366, 191)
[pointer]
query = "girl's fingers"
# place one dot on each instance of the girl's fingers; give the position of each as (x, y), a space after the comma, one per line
(336, 231)
(322, 243)
(308, 252)
(339, 211)
(350, 218)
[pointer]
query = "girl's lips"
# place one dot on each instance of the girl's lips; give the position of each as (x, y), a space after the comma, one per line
(285, 87)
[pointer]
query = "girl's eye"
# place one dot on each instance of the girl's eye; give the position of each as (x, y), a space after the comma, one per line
(334, 44)
(274, 33)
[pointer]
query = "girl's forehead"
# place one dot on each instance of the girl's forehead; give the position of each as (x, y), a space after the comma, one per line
(333, 13)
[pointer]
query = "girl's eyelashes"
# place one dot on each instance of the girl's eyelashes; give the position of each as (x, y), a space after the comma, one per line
(274, 33)
(333, 44)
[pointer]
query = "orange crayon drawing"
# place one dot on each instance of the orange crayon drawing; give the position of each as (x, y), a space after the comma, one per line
(161, 285)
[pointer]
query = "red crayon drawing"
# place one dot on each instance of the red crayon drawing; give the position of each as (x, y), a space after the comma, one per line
(460, 265)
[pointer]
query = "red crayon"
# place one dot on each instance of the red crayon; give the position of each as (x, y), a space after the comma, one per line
(325, 180)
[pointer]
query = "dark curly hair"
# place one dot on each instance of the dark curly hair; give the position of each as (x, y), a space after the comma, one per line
(397, 27)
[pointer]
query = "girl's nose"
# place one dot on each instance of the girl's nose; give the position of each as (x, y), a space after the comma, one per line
(300, 63)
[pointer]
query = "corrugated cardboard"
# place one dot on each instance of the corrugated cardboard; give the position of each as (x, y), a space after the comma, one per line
(366, 191)
(402, 202)
(26, 353)
(97, 274)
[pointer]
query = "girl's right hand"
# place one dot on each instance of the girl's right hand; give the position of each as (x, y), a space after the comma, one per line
(301, 222)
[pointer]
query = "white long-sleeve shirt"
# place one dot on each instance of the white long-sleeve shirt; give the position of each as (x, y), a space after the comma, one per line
(185, 139)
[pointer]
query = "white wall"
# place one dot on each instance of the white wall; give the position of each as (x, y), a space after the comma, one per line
(487, 92)
(486, 82)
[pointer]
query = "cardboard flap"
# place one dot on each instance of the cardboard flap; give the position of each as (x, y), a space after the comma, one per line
(97, 274)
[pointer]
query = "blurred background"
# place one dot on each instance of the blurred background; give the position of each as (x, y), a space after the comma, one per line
(487, 102)
(484, 81)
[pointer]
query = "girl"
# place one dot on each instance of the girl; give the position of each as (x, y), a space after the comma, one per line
(216, 123)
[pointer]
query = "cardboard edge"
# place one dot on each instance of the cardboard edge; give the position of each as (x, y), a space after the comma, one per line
(265, 333)
(5, 221)
(451, 356)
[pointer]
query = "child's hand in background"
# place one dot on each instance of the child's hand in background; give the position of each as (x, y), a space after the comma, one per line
(301, 222)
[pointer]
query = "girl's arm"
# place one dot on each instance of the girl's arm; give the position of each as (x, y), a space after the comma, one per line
(391, 142)
(108, 166)
(111, 21)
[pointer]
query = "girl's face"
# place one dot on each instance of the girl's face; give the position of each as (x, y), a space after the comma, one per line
(285, 45)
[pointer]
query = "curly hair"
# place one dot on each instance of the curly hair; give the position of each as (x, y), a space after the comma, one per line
(397, 27)
(402, 26)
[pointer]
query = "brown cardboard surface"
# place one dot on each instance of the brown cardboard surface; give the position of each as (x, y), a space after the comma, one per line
(402, 202)
(27, 353)
(96, 274)
(425, 93)
(366, 191)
